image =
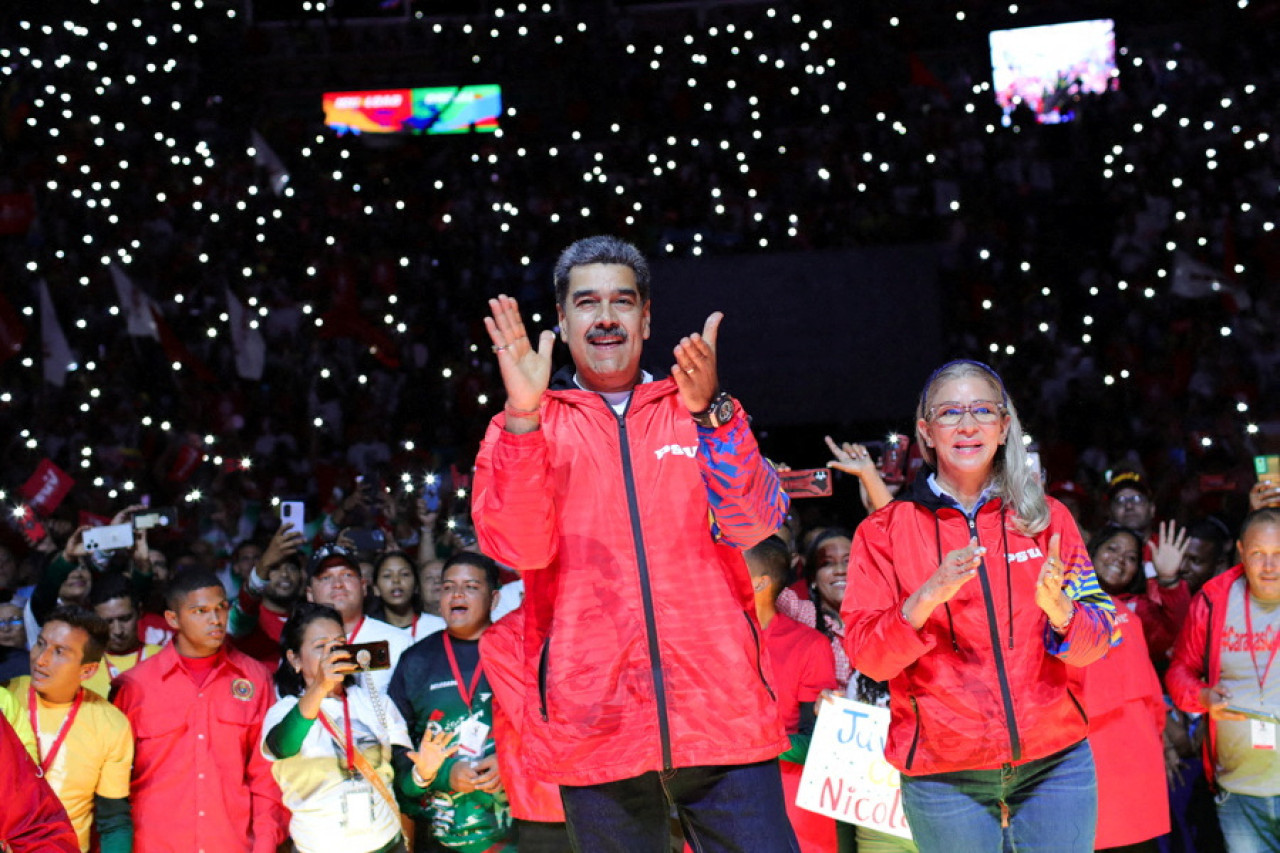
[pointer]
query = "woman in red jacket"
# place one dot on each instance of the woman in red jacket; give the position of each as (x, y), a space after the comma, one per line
(973, 595)
(1125, 704)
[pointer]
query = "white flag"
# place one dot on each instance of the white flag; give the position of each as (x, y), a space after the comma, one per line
(57, 352)
(265, 158)
(1195, 280)
(251, 350)
(136, 306)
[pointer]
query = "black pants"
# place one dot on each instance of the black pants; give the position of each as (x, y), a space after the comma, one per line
(730, 809)
(533, 836)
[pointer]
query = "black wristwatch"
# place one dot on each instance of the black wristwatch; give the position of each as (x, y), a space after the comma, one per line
(719, 413)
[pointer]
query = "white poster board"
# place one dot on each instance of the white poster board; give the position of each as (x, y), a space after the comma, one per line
(846, 776)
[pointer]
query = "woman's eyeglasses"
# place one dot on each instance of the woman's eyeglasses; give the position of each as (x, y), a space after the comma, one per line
(951, 414)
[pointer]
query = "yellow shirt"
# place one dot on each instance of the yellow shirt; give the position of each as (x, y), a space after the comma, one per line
(96, 757)
(16, 714)
(113, 665)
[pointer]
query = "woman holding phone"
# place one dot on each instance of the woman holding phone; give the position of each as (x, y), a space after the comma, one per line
(330, 743)
(973, 596)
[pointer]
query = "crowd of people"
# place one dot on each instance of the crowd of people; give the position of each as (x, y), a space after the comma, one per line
(150, 188)
(1026, 690)
(367, 273)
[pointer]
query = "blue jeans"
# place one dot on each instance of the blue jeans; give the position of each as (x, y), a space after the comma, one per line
(732, 809)
(1249, 824)
(1051, 805)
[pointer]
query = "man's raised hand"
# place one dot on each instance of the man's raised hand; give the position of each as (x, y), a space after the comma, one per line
(695, 368)
(526, 372)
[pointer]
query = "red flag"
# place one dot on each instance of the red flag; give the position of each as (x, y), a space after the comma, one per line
(186, 460)
(458, 479)
(348, 324)
(17, 212)
(177, 351)
(12, 333)
(922, 76)
(91, 519)
(46, 488)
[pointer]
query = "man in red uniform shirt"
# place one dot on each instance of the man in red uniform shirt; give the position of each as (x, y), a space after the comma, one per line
(803, 667)
(200, 783)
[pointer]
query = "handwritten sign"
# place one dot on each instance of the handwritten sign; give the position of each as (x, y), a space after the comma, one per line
(846, 776)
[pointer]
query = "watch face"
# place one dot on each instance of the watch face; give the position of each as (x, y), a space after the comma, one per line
(724, 410)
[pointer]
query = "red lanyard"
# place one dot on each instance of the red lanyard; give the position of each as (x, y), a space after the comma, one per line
(359, 625)
(465, 692)
(413, 629)
(1248, 626)
(63, 730)
(348, 742)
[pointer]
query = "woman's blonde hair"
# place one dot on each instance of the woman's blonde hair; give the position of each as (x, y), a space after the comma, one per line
(1012, 478)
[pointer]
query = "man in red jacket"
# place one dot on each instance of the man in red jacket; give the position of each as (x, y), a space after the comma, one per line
(625, 501)
(1221, 667)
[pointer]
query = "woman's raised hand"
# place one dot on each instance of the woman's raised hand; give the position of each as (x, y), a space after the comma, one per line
(1050, 596)
(850, 458)
(1171, 547)
(334, 666)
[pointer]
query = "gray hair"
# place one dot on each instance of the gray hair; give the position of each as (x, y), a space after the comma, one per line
(601, 249)
(1013, 480)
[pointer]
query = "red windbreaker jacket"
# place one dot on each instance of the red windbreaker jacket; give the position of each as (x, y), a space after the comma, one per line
(1197, 656)
(641, 629)
(986, 681)
(502, 653)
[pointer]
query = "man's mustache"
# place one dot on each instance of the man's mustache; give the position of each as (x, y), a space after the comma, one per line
(603, 332)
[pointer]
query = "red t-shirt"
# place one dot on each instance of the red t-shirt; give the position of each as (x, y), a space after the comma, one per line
(803, 666)
(263, 642)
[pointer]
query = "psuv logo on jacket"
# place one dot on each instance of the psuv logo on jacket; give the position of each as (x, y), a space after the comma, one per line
(1024, 556)
(678, 450)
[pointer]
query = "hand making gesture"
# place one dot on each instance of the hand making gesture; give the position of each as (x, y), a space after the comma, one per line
(957, 568)
(854, 459)
(695, 368)
(526, 372)
(431, 753)
(1171, 547)
(1050, 596)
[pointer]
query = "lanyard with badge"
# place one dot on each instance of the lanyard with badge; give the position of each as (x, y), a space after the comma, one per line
(1261, 732)
(45, 762)
(472, 732)
(357, 795)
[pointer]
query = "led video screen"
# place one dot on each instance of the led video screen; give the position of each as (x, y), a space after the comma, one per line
(1047, 68)
(433, 110)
